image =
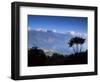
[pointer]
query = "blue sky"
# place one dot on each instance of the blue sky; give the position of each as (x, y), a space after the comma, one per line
(61, 24)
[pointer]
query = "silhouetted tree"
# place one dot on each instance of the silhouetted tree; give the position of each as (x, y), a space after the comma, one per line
(81, 43)
(36, 57)
(76, 41)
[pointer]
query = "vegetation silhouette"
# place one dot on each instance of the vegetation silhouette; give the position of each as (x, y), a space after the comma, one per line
(37, 57)
(76, 41)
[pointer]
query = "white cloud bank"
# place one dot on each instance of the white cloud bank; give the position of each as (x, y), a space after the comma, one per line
(43, 30)
(73, 33)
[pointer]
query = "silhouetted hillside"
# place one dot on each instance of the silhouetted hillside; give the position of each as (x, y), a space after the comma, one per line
(37, 57)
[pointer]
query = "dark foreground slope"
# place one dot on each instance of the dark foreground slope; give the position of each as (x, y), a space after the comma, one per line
(37, 57)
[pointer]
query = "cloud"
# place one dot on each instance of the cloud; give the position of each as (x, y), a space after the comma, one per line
(29, 28)
(45, 30)
(73, 33)
(54, 30)
(41, 29)
(38, 29)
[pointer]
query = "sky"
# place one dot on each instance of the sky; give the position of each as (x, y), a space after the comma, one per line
(60, 24)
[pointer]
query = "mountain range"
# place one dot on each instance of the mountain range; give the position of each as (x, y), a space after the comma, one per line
(51, 41)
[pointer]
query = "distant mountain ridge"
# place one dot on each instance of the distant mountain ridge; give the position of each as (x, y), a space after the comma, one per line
(57, 42)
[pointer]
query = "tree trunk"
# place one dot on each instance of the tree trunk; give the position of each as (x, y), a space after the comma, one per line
(80, 47)
(77, 48)
(74, 50)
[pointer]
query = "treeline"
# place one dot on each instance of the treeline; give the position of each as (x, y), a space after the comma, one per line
(37, 57)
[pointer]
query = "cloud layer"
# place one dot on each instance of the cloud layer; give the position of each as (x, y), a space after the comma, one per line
(73, 33)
